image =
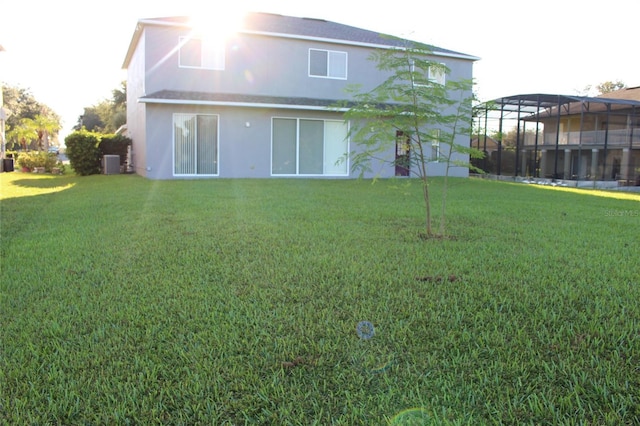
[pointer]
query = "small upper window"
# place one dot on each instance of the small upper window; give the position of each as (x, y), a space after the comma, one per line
(201, 53)
(437, 74)
(327, 63)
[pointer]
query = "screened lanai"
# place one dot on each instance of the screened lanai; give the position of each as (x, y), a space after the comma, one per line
(561, 137)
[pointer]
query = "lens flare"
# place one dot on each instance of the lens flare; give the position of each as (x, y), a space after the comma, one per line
(365, 330)
(410, 417)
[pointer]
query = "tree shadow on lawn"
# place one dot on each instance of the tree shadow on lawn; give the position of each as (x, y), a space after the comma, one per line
(30, 186)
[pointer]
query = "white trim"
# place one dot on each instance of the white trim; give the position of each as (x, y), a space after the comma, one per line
(437, 76)
(240, 104)
(319, 39)
(329, 52)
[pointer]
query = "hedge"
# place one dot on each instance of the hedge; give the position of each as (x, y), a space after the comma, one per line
(85, 150)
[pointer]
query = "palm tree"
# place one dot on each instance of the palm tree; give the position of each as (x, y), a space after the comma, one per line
(23, 134)
(44, 126)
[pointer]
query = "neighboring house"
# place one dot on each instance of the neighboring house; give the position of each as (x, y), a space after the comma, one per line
(256, 105)
(581, 138)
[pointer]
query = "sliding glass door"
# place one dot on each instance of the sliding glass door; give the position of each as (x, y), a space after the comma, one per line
(309, 147)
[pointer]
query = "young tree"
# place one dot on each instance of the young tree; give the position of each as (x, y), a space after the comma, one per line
(417, 113)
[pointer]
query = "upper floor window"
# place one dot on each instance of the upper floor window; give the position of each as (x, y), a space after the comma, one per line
(201, 53)
(328, 63)
(437, 74)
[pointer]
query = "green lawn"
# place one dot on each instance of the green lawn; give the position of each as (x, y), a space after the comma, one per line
(130, 301)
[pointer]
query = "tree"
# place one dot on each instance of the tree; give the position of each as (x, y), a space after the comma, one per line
(22, 134)
(44, 127)
(106, 116)
(90, 120)
(414, 112)
(21, 105)
(609, 86)
(602, 88)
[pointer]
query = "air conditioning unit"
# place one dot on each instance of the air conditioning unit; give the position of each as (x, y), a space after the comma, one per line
(111, 164)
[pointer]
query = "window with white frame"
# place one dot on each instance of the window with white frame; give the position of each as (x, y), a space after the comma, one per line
(328, 64)
(201, 53)
(195, 144)
(435, 145)
(308, 147)
(437, 74)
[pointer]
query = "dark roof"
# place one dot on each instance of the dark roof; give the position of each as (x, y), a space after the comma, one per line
(175, 96)
(273, 24)
(546, 105)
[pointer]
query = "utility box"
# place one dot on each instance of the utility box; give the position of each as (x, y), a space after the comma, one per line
(111, 164)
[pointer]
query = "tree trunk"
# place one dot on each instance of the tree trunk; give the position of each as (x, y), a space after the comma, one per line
(427, 206)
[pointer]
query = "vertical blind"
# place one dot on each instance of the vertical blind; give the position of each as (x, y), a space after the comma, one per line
(195, 144)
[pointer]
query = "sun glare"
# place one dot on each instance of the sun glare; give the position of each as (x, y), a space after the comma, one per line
(218, 26)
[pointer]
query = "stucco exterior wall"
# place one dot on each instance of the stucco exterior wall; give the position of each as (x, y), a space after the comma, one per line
(254, 65)
(244, 138)
(136, 117)
(265, 65)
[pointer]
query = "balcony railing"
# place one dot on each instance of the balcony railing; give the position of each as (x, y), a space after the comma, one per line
(594, 137)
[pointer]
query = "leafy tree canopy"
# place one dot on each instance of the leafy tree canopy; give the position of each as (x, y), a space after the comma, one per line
(603, 88)
(610, 86)
(106, 116)
(25, 116)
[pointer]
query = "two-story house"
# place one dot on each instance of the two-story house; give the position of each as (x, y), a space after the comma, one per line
(255, 104)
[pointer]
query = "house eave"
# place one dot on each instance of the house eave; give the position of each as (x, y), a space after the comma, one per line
(143, 22)
(240, 104)
(353, 43)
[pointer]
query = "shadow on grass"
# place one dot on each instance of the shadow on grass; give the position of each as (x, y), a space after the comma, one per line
(30, 185)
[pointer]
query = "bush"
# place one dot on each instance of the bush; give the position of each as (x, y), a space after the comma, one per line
(31, 160)
(85, 150)
(115, 145)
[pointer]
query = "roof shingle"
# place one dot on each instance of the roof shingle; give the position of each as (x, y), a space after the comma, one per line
(269, 23)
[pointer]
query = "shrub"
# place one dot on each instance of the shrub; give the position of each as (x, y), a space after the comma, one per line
(85, 150)
(115, 145)
(30, 160)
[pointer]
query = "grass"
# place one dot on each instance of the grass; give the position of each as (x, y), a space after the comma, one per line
(130, 301)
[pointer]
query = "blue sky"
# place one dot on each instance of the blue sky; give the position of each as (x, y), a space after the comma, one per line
(70, 54)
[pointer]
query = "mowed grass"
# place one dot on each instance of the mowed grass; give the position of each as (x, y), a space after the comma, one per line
(130, 301)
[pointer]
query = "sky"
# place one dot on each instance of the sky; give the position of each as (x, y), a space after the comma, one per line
(69, 54)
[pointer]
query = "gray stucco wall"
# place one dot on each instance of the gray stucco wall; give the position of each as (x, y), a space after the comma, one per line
(254, 64)
(244, 138)
(136, 117)
(265, 65)
(244, 142)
